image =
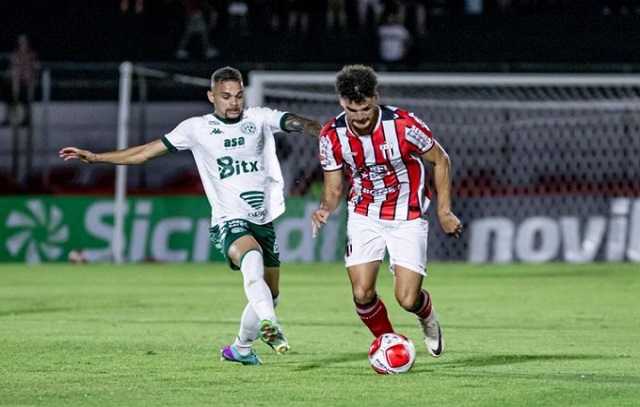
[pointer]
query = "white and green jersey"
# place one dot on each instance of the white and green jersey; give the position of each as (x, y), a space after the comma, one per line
(237, 163)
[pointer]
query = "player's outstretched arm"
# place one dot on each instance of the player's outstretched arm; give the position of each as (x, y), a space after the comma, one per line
(132, 155)
(299, 123)
(331, 195)
(442, 179)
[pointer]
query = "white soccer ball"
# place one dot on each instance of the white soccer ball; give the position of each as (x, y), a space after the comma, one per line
(392, 353)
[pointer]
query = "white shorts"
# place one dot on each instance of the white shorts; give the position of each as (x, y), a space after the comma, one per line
(405, 240)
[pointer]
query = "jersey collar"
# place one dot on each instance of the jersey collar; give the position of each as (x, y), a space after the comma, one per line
(373, 129)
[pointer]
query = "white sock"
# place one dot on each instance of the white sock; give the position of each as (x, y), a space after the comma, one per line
(248, 332)
(255, 288)
(249, 328)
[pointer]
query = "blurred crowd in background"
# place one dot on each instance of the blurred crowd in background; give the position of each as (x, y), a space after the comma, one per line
(334, 31)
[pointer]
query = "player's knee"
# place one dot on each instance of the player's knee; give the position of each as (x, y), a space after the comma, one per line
(408, 301)
(363, 295)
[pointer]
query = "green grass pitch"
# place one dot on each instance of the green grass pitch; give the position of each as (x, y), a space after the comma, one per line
(149, 335)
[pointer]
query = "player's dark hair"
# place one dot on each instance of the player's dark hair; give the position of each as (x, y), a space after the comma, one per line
(226, 74)
(356, 82)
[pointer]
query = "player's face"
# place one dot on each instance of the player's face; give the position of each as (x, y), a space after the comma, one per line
(361, 117)
(228, 99)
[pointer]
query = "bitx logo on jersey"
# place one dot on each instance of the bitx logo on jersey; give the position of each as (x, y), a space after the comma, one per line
(229, 167)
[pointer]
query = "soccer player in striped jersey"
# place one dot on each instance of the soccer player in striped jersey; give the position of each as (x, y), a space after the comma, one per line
(384, 151)
(234, 151)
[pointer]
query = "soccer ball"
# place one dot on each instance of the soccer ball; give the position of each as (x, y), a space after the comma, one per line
(392, 353)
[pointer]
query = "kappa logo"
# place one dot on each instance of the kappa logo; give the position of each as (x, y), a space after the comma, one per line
(38, 231)
(216, 131)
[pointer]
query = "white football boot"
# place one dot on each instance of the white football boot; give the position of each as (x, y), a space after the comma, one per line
(432, 334)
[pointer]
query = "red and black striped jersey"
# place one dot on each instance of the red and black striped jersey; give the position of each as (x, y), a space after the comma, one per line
(387, 174)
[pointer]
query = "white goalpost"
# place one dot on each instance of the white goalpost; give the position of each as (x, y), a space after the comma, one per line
(124, 108)
(127, 72)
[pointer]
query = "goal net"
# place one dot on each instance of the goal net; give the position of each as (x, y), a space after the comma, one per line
(545, 167)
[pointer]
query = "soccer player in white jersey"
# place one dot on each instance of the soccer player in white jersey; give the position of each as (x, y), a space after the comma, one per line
(234, 151)
(384, 151)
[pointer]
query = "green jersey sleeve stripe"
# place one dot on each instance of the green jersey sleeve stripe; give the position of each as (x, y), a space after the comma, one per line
(168, 144)
(283, 122)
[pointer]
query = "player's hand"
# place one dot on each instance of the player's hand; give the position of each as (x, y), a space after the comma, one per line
(451, 224)
(319, 218)
(74, 153)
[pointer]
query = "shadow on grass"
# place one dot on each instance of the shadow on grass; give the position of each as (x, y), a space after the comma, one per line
(324, 362)
(464, 368)
(43, 310)
(478, 361)
(496, 360)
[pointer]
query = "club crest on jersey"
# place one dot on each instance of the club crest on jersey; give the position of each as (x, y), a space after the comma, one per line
(387, 150)
(249, 128)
